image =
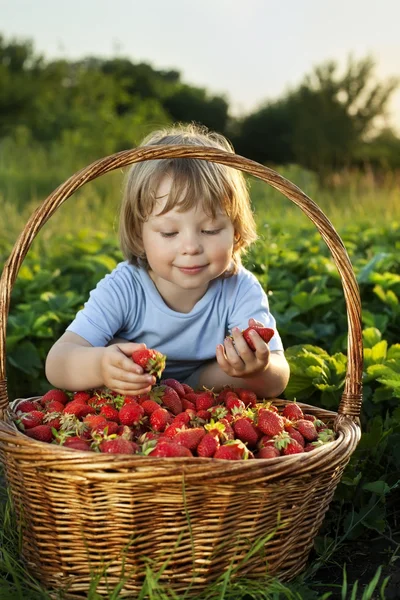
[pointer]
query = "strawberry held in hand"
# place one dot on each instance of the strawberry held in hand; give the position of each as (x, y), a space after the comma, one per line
(152, 361)
(264, 332)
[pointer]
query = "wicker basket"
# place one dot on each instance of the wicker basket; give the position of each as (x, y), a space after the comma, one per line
(82, 513)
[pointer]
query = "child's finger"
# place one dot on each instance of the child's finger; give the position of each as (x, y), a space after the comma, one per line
(254, 323)
(125, 376)
(232, 356)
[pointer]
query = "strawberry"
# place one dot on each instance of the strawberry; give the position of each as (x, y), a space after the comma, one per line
(174, 384)
(53, 420)
(42, 433)
(190, 438)
(107, 428)
(307, 429)
(247, 396)
(296, 435)
(83, 397)
(293, 447)
(78, 409)
(159, 419)
(187, 404)
(218, 411)
(149, 406)
(168, 397)
(309, 418)
(119, 445)
(269, 422)
(246, 431)
(170, 449)
(266, 440)
(110, 413)
(223, 393)
(264, 332)
(27, 406)
(203, 415)
(55, 394)
(93, 421)
(77, 443)
(131, 414)
(233, 450)
(31, 419)
(267, 452)
(174, 428)
(208, 445)
(187, 388)
(151, 361)
(54, 406)
(292, 411)
(228, 432)
(232, 403)
(204, 401)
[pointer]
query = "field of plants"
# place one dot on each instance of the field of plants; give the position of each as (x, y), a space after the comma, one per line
(356, 553)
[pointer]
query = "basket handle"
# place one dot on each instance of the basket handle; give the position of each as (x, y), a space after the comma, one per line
(350, 404)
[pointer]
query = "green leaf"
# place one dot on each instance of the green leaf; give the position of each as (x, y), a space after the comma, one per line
(377, 487)
(26, 358)
(371, 336)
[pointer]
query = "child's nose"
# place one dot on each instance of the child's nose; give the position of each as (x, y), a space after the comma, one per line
(191, 245)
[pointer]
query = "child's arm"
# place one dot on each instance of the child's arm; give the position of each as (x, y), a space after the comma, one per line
(74, 364)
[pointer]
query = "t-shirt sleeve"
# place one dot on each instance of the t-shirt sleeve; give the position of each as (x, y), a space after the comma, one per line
(105, 312)
(252, 302)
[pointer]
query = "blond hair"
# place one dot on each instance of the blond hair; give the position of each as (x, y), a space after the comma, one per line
(216, 186)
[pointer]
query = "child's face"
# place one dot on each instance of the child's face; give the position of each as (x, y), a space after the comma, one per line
(187, 249)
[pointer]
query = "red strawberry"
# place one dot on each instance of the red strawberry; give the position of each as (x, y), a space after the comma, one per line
(183, 417)
(223, 393)
(232, 403)
(159, 419)
(234, 450)
(267, 452)
(31, 419)
(307, 429)
(151, 361)
(247, 396)
(266, 440)
(187, 404)
(292, 411)
(293, 447)
(131, 414)
(269, 422)
(110, 413)
(174, 428)
(78, 409)
(93, 421)
(77, 443)
(53, 420)
(27, 406)
(204, 401)
(149, 406)
(187, 388)
(208, 445)
(107, 428)
(246, 431)
(168, 397)
(55, 394)
(170, 449)
(204, 415)
(42, 433)
(83, 397)
(264, 332)
(54, 406)
(190, 438)
(119, 445)
(228, 432)
(296, 435)
(174, 384)
(309, 418)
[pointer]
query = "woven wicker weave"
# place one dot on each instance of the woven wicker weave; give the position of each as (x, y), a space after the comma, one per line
(81, 512)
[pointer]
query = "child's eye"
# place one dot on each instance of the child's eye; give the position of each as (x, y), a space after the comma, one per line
(168, 234)
(211, 231)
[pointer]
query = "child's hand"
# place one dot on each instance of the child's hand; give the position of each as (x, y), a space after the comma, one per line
(121, 374)
(236, 358)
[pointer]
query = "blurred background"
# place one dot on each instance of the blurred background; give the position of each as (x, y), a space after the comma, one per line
(306, 86)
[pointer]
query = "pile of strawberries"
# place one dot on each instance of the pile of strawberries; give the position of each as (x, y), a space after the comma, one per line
(171, 421)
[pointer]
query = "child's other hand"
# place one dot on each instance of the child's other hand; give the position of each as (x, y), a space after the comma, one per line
(236, 358)
(121, 374)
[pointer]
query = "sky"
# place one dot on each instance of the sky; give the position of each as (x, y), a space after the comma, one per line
(251, 51)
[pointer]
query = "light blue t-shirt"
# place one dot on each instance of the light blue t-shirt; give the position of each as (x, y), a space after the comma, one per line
(127, 304)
